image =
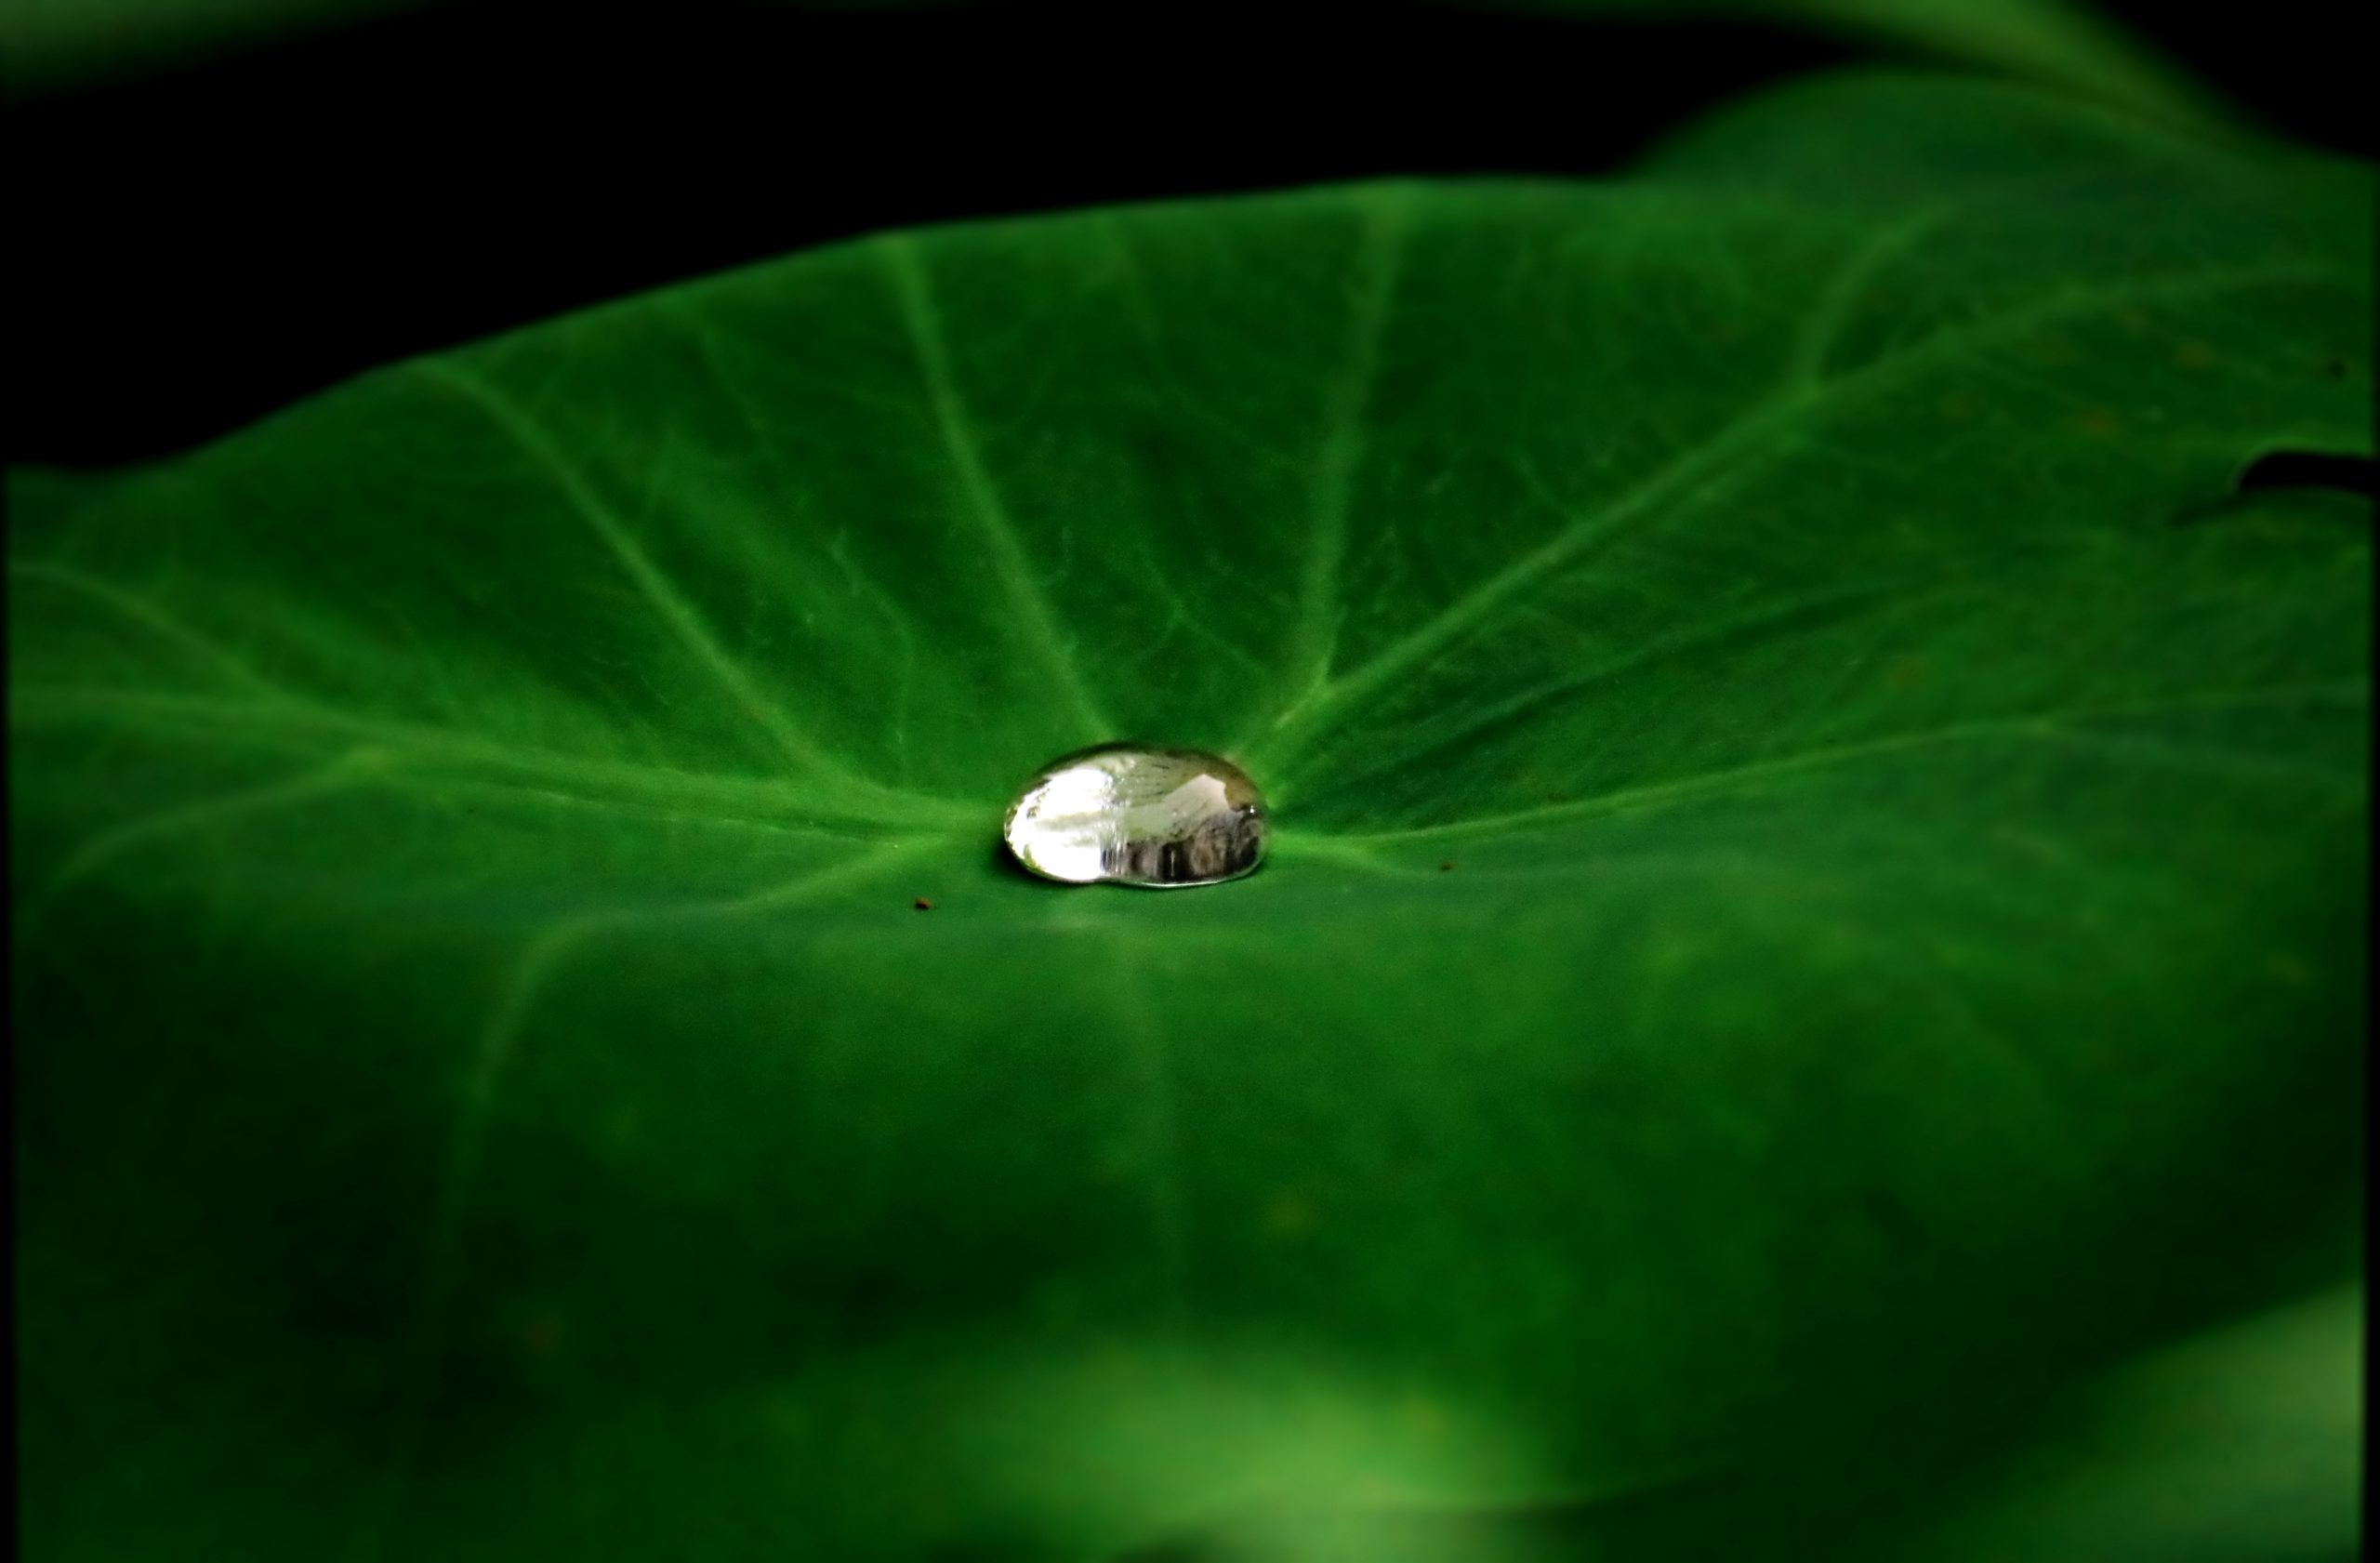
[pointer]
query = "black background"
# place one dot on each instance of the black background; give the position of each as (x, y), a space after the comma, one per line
(193, 248)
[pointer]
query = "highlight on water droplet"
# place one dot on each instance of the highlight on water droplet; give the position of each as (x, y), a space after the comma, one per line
(1137, 813)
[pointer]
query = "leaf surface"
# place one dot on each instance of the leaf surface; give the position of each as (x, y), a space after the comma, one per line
(1817, 868)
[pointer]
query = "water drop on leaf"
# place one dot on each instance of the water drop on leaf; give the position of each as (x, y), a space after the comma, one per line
(1133, 813)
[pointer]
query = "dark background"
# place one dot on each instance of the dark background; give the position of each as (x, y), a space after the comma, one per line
(195, 247)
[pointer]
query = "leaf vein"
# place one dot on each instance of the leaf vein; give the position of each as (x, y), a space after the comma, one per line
(1707, 468)
(139, 611)
(334, 776)
(2040, 726)
(922, 316)
(518, 766)
(492, 1059)
(685, 621)
(1379, 258)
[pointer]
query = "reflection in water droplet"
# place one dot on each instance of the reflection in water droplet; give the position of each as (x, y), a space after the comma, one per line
(1131, 814)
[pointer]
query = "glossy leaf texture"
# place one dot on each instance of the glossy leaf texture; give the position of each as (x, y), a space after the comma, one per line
(1818, 883)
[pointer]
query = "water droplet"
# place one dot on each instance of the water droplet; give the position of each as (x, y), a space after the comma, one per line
(1133, 813)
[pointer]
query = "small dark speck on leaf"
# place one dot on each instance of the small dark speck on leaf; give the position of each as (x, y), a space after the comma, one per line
(922, 904)
(2335, 368)
(1447, 868)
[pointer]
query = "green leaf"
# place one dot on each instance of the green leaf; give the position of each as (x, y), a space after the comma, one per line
(1817, 875)
(2244, 1443)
